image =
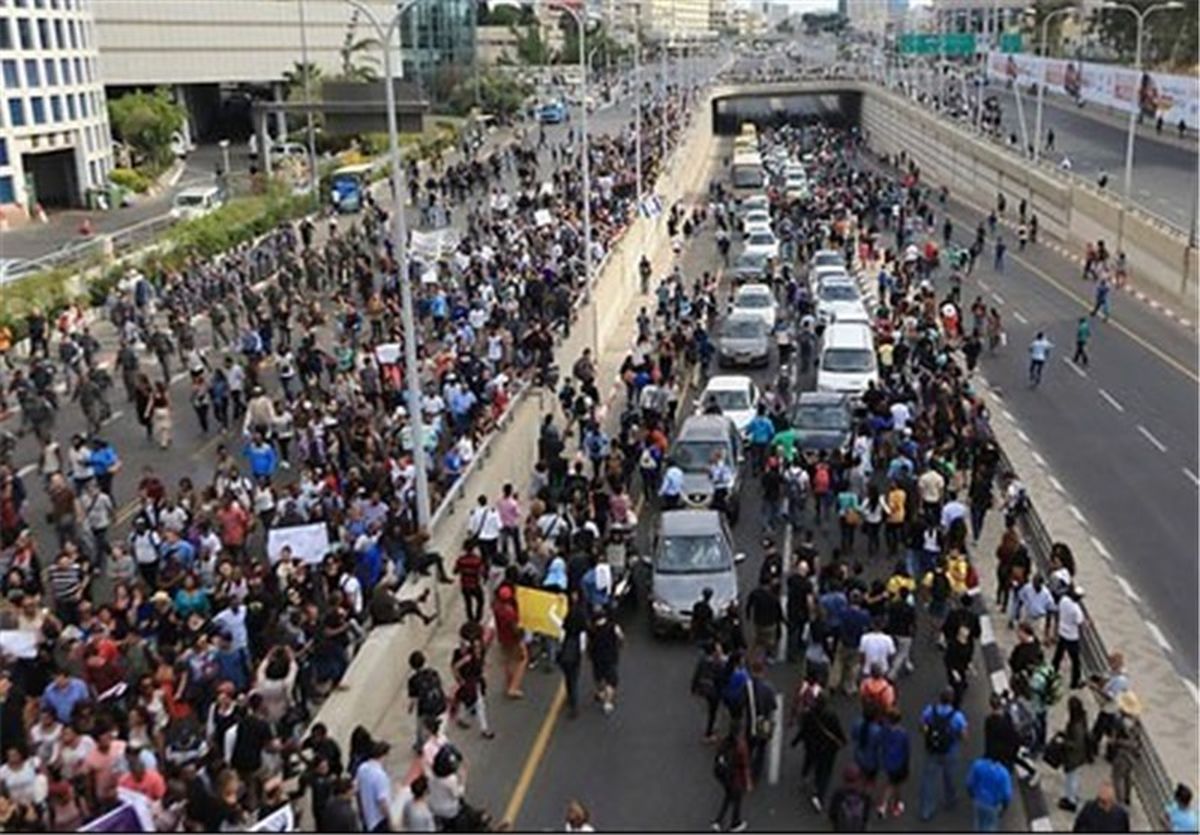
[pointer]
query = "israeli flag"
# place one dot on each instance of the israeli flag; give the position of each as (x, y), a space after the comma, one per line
(651, 206)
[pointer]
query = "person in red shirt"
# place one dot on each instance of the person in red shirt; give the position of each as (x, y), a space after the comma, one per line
(510, 639)
(470, 569)
(146, 781)
(234, 521)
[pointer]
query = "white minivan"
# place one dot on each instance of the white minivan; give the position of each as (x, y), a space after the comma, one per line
(196, 202)
(847, 362)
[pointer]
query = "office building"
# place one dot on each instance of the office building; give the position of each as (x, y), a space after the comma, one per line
(686, 20)
(55, 141)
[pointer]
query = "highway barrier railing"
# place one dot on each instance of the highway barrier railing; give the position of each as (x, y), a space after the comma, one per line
(1151, 781)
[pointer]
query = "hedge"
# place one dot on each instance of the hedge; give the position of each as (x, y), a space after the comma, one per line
(131, 179)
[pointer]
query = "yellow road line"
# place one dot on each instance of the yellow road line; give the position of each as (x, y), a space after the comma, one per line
(536, 754)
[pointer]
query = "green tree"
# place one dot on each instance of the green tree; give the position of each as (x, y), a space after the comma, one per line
(295, 77)
(499, 94)
(1170, 34)
(146, 122)
(531, 49)
(1031, 25)
(359, 62)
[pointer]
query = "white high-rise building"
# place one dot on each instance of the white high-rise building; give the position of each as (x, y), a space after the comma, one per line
(55, 142)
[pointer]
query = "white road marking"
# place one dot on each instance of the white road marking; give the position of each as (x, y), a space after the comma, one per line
(1037, 456)
(1071, 364)
(1056, 484)
(984, 286)
(1021, 434)
(118, 414)
(1017, 315)
(1192, 476)
(1159, 637)
(987, 635)
(1042, 824)
(999, 299)
(1008, 415)
(1159, 445)
(1125, 587)
(1099, 546)
(26, 470)
(1077, 513)
(1112, 401)
(1187, 682)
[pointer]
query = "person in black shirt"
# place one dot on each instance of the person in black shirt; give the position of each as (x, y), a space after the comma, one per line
(702, 618)
(253, 737)
(340, 812)
(1103, 814)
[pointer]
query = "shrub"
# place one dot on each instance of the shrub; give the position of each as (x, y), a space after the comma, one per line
(130, 179)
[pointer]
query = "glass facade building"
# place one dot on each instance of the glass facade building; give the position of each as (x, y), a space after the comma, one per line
(55, 142)
(438, 40)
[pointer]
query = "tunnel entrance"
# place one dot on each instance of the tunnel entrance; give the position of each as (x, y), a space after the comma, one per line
(835, 109)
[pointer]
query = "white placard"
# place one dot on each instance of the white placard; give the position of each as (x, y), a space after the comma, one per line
(281, 820)
(542, 217)
(388, 353)
(309, 543)
(18, 643)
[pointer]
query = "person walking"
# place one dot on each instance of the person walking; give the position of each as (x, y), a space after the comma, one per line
(571, 649)
(944, 727)
(1074, 743)
(707, 679)
(470, 569)
(1070, 621)
(1103, 291)
(1083, 333)
(823, 736)
(850, 805)
(990, 787)
(160, 415)
(1039, 352)
(731, 767)
(1103, 814)
(897, 752)
(1000, 249)
(604, 648)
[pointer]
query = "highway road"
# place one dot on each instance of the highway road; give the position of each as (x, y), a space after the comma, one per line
(1164, 174)
(645, 767)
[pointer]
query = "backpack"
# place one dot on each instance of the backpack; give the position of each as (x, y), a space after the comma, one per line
(1024, 722)
(851, 813)
(735, 688)
(939, 733)
(820, 479)
(446, 761)
(1047, 683)
(431, 701)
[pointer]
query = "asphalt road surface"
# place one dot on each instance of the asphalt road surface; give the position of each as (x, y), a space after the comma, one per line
(1164, 174)
(645, 767)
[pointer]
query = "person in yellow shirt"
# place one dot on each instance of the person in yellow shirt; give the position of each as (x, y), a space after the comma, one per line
(957, 569)
(901, 583)
(6, 341)
(897, 501)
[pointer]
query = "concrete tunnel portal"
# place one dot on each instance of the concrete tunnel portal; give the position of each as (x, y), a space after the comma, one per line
(838, 109)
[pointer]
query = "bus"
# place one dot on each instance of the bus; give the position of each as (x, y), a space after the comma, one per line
(748, 173)
(348, 186)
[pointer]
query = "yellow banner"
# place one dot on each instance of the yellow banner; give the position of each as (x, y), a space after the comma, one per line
(541, 611)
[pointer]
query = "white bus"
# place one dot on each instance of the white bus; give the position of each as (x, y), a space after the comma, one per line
(748, 173)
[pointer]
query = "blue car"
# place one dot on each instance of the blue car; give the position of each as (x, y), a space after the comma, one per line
(552, 113)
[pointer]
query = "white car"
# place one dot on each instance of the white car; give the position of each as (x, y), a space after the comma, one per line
(817, 276)
(755, 220)
(827, 258)
(735, 395)
(755, 202)
(763, 241)
(796, 188)
(839, 301)
(756, 299)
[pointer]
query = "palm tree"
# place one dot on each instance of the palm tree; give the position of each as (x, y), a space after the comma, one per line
(297, 75)
(358, 64)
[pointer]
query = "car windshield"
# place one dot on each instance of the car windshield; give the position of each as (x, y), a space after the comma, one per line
(693, 555)
(838, 293)
(697, 456)
(762, 238)
(754, 300)
(829, 259)
(847, 360)
(751, 259)
(815, 416)
(750, 328)
(189, 200)
(729, 400)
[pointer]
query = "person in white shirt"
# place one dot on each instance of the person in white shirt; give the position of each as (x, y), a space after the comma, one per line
(1039, 352)
(877, 649)
(1070, 621)
(484, 527)
(952, 511)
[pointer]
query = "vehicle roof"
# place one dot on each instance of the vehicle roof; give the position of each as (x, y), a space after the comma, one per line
(356, 168)
(827, 252)
(753, 288)
(197, 190)
(691, 523)
(728, 382)
(704, 428)
(848, 335)
(822, 398)
(751, 255)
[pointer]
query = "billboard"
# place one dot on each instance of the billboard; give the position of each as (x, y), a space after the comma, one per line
(1154, 94)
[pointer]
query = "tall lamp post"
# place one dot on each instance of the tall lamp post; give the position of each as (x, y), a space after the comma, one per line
(385, 33)
(1140, 15)
(579, 15)
(1037, 129)
(308, 115)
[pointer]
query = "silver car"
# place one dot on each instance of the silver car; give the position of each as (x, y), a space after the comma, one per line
(744, 339)
(699, 439)
(692, 551)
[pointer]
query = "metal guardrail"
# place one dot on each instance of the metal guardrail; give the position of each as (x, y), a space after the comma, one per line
(1151, 780)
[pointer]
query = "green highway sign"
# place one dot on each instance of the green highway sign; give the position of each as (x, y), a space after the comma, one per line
(951, 44)
(1011, 42)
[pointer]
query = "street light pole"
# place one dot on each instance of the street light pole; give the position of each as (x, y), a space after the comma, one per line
(1037, 130)
(308, 115)
(1140, 15)
(400, 253)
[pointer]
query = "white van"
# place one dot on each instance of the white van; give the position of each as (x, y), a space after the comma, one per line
(196, 202)
(847, 361)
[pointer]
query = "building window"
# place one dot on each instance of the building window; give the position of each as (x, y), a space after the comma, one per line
(65, 66)
(54, 5)
(3, 152)
(91, 139)
(6, 190)
(39, 4)
(83, 105)
(11, 81)
(6, 41)
(32, 78)
(16, 113)
(38, 105)
(71, 107)
(78, 71)
(94, 181)
(59, 41)
(51, 72)
(56, 111)
(24, 33)
(44, 32)
(74, 33)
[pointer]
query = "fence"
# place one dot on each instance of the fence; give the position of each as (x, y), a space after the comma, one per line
(1151, 781)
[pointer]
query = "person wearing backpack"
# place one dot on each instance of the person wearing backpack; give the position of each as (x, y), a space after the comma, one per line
(990, 787)
(823, 737)
(426, 698)
(731, 767)
(707, 681)
(944, 728)
(866, 736)
(850, 805)
(896, 751)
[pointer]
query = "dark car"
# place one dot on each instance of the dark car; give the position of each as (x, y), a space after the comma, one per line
(749, 267)
(823, 422)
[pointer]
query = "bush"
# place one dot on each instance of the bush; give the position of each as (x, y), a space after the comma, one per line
(130, 179)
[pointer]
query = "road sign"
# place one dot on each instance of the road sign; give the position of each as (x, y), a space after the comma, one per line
(1011, 42)
(951, 44)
